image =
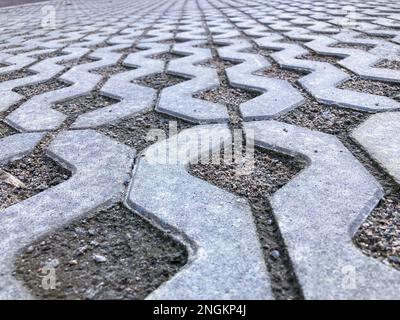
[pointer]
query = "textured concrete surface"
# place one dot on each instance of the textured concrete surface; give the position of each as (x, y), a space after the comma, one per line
(290, 54)
(380, 136)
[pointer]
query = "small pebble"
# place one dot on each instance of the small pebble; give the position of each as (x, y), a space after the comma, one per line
(99, 259)
(275, 254)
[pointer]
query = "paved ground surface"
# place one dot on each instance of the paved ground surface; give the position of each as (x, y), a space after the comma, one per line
(91, 208)
(7, 3)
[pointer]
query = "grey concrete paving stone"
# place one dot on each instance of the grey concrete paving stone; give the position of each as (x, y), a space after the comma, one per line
(225, 259)
(178, 101)
(18, 145)
(319, 212)
(133, 98)
(380, 136)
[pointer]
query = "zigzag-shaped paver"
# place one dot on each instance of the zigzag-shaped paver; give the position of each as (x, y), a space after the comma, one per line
(356, 60)
(133, 98)
(42, 71)
(224, 263)
(323, 77)
(178, 100)
(380, 136)
(320, 210)
(37, 115)
(19, 61)
(269, 104)
(100, 169)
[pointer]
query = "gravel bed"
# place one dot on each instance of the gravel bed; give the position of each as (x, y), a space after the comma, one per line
(379, 88)
(15, 75)
(390, 64)
(6, 130)
(36, 171)
(160, 81)
(36, 89)
(363, 47)
(110, 254)
(78, 106)
(72, 63)
(168, 56)
(134, 131)
(112, 70)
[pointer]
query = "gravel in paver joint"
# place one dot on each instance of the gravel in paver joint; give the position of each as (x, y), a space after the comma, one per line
(15, 75)
(112, 70)
(6, 130)
(380, 88)
(36, 171)
(363, 47)
(134, 131)
(390, 64)
(159, 81)
(81, 105)
(110, 254)
(167, 56)
(32, 90)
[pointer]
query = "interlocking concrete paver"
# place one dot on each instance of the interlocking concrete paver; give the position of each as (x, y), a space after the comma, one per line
(320, 210)
(380, 136)
(225, 263)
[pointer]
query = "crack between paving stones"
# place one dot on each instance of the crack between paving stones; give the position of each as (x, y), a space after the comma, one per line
(283, 279)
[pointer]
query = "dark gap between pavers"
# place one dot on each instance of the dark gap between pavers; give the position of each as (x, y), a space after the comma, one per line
(127, 51)
(44, 56)
(283, 74)
(169, 41)
(36, 171)
(378, 236)
(271, 172)
(134, 131)
(18, 51)
(227, 95)
(77, 106)
(321, 58)
(377, 37)
(17, 74)
(264, 52)
(167, 56)
(380, 88)
(6, 130)
(358, 46)
(159, 81)
(75, 62)
(110, 254)
(112, 70)
(218, 63)
(40, 88)
(389, 64)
